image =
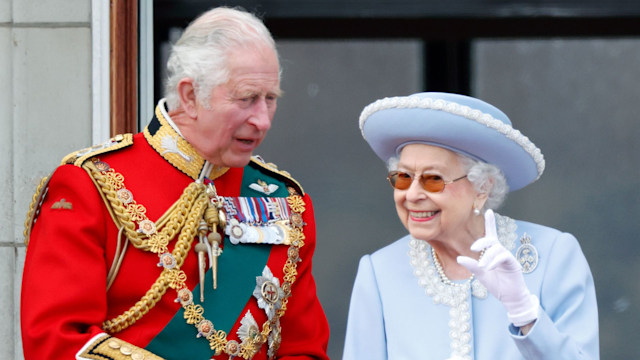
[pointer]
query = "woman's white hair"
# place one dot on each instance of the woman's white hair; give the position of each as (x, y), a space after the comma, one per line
(202, 50)
(486, 178)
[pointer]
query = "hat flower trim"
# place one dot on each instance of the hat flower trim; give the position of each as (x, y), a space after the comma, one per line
(409, 102)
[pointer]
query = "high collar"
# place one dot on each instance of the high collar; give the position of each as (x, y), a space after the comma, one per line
(165, 138)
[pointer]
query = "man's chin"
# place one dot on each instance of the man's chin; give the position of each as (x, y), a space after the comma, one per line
(236, 161)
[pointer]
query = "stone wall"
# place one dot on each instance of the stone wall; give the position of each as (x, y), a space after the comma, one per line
(45, 113)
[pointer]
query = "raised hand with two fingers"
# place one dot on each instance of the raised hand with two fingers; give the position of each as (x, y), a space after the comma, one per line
(499, 271)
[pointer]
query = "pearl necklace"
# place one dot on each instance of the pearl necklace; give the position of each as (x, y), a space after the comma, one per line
(456, 296)
(443, 276)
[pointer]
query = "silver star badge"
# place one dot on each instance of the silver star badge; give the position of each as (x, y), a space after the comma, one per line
(248, 329)
(268, 292)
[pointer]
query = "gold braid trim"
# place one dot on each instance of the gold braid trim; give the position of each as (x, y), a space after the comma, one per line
(183, 217)
(127, 214)
(273, 169)
(115, 143)
(173, 277)
(174, 148)
(34, 208)
(77, 158)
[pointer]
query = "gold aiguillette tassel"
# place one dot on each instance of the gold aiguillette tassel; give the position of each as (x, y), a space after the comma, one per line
(214, 240)
(201, 249)
(214, 216)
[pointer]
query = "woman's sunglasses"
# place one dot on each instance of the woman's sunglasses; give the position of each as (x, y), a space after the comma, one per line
(432, 183)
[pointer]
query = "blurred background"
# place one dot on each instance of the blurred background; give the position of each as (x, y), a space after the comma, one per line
(565, 72)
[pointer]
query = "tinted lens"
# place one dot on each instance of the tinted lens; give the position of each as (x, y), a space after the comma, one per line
(399, 180)
(402, 181)
(432, 183)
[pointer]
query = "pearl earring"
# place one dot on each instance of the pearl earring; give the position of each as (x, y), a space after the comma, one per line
(476, 211)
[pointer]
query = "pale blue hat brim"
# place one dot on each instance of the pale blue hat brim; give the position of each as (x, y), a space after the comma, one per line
(390, 124)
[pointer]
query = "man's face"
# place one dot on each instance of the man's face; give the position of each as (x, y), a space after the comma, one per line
(241, 110)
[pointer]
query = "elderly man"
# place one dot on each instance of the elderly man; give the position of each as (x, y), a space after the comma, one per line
(177, 243)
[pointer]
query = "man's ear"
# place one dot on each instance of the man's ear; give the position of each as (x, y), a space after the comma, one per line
(187, 95)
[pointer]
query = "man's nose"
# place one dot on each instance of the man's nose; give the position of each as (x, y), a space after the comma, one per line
(262, 115)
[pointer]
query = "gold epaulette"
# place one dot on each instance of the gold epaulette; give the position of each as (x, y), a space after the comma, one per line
(117, 142)
(272, 169)
(76, 158)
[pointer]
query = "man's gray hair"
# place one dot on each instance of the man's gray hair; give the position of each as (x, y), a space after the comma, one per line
(202, 50)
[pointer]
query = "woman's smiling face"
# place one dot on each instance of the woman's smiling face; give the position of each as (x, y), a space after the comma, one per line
(444, 216)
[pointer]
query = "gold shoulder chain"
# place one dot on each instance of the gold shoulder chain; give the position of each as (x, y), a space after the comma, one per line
(170, 277)
(127, 212)
(183, 217)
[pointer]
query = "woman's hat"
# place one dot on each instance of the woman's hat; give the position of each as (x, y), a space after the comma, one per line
(455, 122)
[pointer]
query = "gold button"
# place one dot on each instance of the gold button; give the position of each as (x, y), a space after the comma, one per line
(126, 350)
(114, 344)
(137, 356)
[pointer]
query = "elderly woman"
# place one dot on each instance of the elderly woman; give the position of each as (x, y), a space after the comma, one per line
(465, 283)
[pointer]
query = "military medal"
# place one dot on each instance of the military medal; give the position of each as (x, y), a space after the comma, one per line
(268, 292)
(248, 329)
(527, 254)
(257, 210)
(258, 220)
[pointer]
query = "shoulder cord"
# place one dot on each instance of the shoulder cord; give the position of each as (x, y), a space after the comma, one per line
(117, 258)
(182, 217)
(109, 182)
(168, 277)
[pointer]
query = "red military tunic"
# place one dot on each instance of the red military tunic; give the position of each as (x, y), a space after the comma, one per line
(73, 246)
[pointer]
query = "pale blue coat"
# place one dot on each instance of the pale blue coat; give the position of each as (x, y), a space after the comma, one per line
(391, 317)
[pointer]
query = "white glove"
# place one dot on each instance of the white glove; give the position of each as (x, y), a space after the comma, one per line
(499, 271)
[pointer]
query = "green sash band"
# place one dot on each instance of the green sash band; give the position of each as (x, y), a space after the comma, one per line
(238, 267)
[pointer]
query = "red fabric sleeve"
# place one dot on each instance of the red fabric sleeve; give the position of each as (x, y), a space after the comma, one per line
(63, 299)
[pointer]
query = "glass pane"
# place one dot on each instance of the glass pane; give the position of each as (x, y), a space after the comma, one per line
(578, 101)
